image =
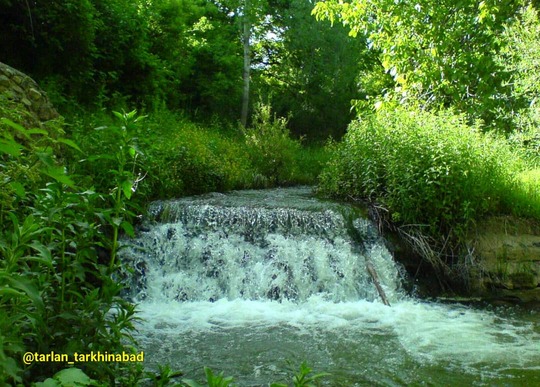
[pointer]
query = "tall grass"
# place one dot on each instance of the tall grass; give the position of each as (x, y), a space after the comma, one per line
(429, 169)
(184, 158)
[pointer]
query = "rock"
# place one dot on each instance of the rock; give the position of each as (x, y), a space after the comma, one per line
(34, 94)
(18, 88)
(506, 258)
(4, 82)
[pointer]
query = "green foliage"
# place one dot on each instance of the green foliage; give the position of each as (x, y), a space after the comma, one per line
(519, 56)
(69, 377)
(303, 379)
(184, 158)
(310, 64)
(199, 47)
(38, 147)
(56, 292)
(211, 380)
(124, 174)
(61, 293)
(440, 54)
(271, 148)
(182, 52)
(426, 169)
(525, 197)
(164, 377)
(310, 161)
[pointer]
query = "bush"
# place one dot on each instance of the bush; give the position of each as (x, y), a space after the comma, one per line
(426, 169)
(56, 289)
(270, 147)
(184, 158)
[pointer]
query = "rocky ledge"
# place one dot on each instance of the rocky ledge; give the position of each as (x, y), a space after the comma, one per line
(505, 254)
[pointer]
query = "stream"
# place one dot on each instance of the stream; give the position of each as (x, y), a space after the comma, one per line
(253, 283)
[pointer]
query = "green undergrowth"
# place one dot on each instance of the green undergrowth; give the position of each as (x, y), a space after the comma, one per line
(431, 177)
(525, 197)
(69, 189)
(431, 170)
(304, 377)
(184, 158)
(58, 239)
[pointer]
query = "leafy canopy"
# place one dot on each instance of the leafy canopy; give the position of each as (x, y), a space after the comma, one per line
(440, 53)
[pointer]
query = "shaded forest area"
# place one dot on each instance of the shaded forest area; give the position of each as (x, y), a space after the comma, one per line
(432, 107)
(189, 56)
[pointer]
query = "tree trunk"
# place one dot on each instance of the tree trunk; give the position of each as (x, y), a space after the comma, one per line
(246, 35)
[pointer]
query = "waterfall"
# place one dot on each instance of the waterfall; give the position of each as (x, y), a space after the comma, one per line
(247, 281)
(280, 244)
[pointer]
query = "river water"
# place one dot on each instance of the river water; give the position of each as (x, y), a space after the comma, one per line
(253, 283)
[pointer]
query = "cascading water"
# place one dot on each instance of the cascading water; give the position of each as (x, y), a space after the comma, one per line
(246, 281)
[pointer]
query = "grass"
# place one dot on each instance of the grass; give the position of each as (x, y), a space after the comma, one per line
(434, 175)
(524, 199)
(182, 158)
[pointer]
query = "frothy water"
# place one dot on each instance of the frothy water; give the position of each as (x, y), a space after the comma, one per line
(249, 282)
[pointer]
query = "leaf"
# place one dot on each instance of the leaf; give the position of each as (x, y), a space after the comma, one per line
(46, 157)
(191, 383)
(127, 187)
(118, 115)
(18, 188)
(45, 253)
(73, 377)
(37, 131)
(10, 367)
(128, 228)
(10, 292)
(69, 143)
(27, 287)
(58, 174)
(102, 157)
(11, 147)
(19, 128)
(48, 383)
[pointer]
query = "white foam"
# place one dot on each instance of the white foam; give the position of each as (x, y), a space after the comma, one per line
(429, 332)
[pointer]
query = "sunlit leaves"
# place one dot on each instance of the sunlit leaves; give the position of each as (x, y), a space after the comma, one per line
(440, 52)
(410, 159)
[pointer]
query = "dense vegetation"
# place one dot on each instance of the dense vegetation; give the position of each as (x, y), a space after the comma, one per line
(444, 132)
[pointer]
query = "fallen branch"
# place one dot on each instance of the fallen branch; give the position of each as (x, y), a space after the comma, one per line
(375, 278)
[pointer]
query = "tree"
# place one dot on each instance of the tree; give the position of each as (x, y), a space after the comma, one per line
(252, 17)
(75, 48)
(246, 37)
(438, 52)
(312, 71)
(520, 57)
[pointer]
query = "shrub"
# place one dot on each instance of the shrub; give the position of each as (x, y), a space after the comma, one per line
(185, 158)
(425, 168)
(56, 291)
(524, 199)
(270, 147)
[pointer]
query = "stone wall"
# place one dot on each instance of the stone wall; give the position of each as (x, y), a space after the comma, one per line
(19, 88)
